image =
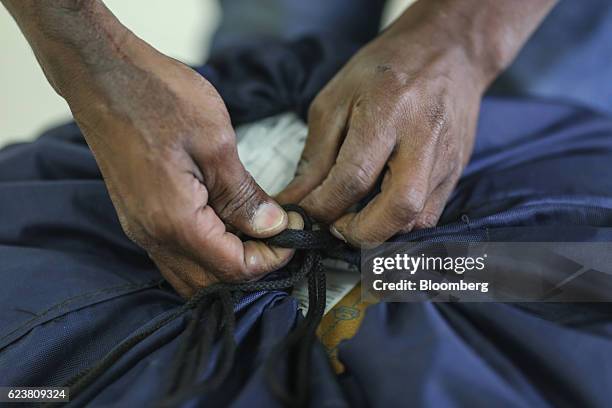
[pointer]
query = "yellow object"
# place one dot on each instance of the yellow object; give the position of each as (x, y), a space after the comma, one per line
(341, 323)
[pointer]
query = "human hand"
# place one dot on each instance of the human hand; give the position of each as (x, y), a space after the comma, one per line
(163, 140)
(403, 109)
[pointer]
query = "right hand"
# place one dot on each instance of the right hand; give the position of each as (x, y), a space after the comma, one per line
(163, 140)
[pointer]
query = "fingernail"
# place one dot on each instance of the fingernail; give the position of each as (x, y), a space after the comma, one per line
(336, 233)
(269, 217)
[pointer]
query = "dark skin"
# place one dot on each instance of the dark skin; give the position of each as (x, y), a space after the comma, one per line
(404, 108)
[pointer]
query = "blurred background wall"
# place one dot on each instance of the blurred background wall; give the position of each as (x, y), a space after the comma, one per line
(28, 104)
(182, 30)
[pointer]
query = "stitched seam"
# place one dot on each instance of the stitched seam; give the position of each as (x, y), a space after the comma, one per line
(84, 296)
(529, 205)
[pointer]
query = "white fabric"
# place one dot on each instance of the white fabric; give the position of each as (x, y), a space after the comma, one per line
(270, 150)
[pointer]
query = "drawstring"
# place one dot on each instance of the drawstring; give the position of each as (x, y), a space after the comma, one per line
(297, 346)
(212, 317)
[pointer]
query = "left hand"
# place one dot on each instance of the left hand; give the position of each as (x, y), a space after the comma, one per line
(405, 108)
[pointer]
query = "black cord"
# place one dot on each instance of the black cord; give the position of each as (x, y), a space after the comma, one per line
(211, 312)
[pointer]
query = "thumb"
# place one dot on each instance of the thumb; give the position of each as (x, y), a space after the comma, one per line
(239, 201)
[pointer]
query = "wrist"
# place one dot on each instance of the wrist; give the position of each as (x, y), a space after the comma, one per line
(73, 40)
(489, 33)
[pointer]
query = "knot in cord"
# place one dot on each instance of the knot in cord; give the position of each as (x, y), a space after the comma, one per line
(215, 306)
(211, 317)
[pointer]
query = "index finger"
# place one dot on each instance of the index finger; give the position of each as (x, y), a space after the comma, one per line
(361, 159)
(403, 194)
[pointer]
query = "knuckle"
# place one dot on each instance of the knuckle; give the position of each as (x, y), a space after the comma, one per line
(226, 271)
(223, 147)
(149, 226)
(350, 183)
(426, 220)
(316, 110)
(162, 225)
(364, 236)
(150, 235)
(217, 157)
(159, 228)
(218, 147)
(318, 207)
(237, 199)
(399, 88)
(356, 177)
(410, 203)
(393, 75)
(437, 117)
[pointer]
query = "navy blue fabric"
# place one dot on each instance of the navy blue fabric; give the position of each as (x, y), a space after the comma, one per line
(567, 58)
(274, 76)
(286, 20)
(73, 287)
